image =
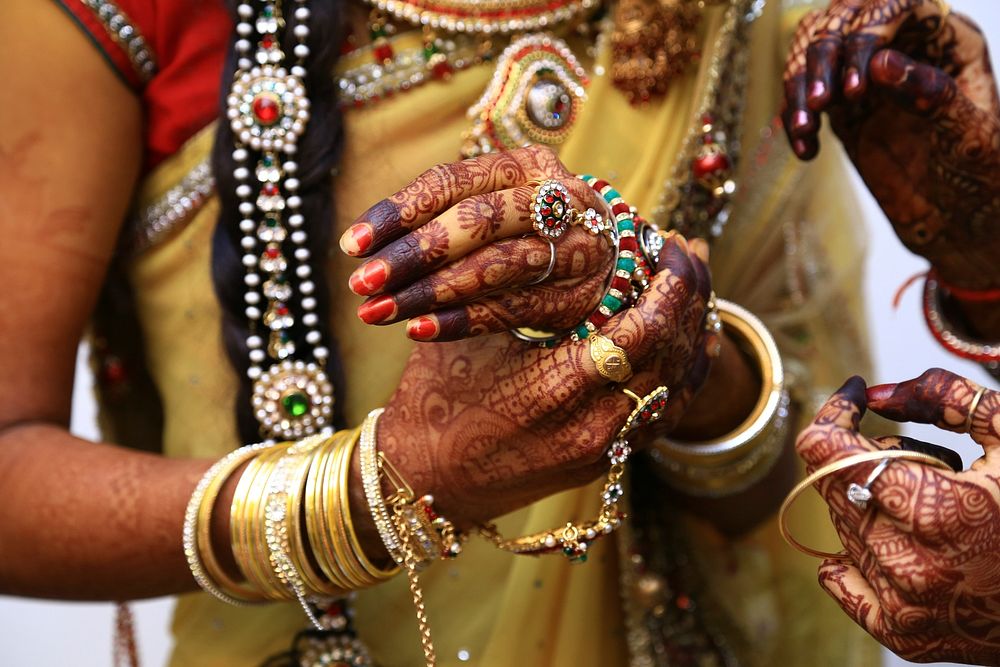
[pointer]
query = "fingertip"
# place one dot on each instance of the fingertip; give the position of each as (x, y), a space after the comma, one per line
(369, 279)
(357, 239)
(854, 390)
(423, 328)
(853, 84)
(818, 96)
(379, 310)
(805, 149)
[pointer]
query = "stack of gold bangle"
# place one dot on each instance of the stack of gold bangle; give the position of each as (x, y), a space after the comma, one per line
(291, 528)
(292, 534)
(740, 459)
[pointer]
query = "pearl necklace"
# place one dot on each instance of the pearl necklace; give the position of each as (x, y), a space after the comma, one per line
(268, 110)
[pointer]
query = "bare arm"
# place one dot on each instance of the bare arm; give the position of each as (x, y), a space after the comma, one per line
(79, 520)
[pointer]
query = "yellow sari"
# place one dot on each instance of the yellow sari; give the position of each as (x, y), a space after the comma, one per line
(791, 254)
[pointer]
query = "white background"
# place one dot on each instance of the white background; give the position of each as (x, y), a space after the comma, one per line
(48, 634)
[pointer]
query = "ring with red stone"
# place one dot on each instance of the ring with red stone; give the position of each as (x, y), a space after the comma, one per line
(551, 213)
(648, 409)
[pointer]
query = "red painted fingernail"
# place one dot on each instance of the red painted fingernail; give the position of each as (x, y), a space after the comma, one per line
(369, 278)
(881, 392)
(817, 90)
(799, 147)
(801, 119)
(377, 310)
(422, 328)
(357, 239)
(853, 81)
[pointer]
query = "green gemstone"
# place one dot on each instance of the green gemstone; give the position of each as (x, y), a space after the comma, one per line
(626, 264)
(626, 224)
(430, 50)
(611, 303)
(268, 11)
(268, 161)
(568, 550)
(611, 195)
(271, 221)
(295, 404)
(582, 332)
(582, 558)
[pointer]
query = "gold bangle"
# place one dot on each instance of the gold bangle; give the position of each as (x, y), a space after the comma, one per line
(255, 510)
(288, 474)
(837, 466)
(375, 574)
(733, 462)
(299, 551)
(316, 514)
(344, 556)
(197, 535)
(243, 523)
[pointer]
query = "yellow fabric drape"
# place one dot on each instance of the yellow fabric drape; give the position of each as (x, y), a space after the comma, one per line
(499, 610)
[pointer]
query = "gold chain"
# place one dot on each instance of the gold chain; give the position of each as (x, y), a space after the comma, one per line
(410, 564)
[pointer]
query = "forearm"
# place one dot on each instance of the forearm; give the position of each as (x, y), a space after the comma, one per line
(89, 521)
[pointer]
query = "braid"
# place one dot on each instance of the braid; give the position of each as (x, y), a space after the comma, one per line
(319, 151)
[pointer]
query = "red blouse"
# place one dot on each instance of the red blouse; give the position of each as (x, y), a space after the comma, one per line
(170, 52)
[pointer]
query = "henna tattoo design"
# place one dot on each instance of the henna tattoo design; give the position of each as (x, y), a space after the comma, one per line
(905, 74)
(925, 576)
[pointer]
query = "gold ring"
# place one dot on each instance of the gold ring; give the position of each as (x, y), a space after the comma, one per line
(611, 361)
(837, 466)
(973, 407)
(648, 409)
(551, 213)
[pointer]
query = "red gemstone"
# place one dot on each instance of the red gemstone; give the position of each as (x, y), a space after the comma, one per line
(620, 284)
(628, 243)
(545, 211)
(549, 199)
(270, 189)
(383, 52)
(560, 107)
(272, 252)
(268, 42)
(710, 164)
(442, 70)
(266, 109)
(598, 318)
(281, 310)
(620, 208)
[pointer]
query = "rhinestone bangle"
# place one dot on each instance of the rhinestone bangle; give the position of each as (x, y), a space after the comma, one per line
(197, 530)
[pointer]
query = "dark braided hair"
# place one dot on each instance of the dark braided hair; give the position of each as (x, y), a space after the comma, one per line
(318, 153)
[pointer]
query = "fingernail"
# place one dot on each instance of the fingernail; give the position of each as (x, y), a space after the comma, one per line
(357, 239)
(377, 310)
(881, 392)
(369, 279)
(817, 90)
(799, 146)
(800, 120)
(422, 328)
(700, 249)
(853, 81)
(854, 390)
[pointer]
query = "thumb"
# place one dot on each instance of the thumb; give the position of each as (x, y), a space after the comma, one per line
(944, 399)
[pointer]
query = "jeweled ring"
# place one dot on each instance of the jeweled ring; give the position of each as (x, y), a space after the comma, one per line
(860, 494)
(611, 361)
(551, 211)
(552, 264)
(648, 409)
(595, 224)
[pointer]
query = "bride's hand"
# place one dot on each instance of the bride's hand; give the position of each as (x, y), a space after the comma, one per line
(924, 571)
(455, 253)
(490, 424)
(911, 95)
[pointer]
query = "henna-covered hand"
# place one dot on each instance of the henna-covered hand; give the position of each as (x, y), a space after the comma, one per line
(490, 424)
(457, 242)
(924, 574)
(913, 99)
